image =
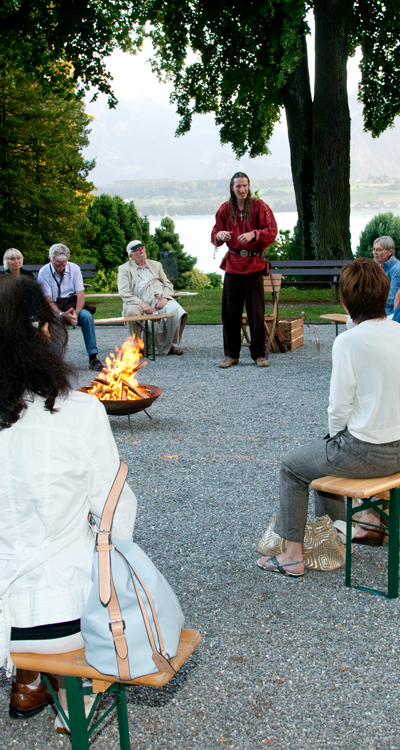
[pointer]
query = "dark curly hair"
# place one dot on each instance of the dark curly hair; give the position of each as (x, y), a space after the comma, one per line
(31, 362)
(233, 202)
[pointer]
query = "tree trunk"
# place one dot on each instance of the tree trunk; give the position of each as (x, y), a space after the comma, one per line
(299, 116)
(331, 131)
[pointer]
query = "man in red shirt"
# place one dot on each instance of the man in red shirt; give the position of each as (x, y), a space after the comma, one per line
(248, 226)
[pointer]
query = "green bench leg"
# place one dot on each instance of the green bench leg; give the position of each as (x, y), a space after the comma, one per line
(349, 523)
(122, 714)
(393, 552)
(76, 713)
(393, 546)
(149, 339)
(79, 724)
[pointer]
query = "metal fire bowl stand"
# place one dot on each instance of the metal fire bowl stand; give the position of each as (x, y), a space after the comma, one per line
(126, 408)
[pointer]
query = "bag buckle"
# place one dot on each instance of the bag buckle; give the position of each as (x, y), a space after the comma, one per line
(103, 531)
(112, 622)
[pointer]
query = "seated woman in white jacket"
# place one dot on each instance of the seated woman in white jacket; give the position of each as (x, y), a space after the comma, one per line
(58, 460)
(363, 413)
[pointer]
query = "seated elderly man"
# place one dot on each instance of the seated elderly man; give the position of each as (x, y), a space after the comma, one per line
(383, 251)
(145, 289)
(63, 287)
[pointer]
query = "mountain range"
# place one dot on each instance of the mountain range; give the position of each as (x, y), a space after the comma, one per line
(136, 140)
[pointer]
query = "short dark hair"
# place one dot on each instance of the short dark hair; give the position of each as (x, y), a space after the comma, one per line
(31, 362)
(364, 288)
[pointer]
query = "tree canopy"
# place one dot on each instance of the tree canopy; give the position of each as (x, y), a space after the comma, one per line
(380, 225)
(44, 191)
(38, 33)
(251, 60)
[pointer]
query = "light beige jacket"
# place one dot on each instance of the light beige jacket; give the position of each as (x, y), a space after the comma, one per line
(128, 282)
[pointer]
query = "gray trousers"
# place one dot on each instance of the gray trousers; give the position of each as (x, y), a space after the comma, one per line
(340, 456)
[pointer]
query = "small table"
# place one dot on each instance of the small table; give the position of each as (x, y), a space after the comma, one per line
(336, 318)
(139, 319)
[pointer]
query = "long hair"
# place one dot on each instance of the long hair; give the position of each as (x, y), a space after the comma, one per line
(31, 362)
(364, 289)
(233, 202)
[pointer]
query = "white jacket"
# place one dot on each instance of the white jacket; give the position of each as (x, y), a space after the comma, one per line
(54, 469)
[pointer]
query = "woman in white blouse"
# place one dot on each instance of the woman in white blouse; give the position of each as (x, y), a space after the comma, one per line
(363, 413)
(58, 460)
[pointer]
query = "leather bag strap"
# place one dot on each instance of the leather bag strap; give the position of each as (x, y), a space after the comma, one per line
(104, 544)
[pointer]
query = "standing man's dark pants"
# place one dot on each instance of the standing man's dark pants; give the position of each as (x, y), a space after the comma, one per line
(240, 288)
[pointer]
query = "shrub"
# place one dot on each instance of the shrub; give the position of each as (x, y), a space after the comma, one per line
(194, 279)
(380, 225)
(104, 281)
(215, 280)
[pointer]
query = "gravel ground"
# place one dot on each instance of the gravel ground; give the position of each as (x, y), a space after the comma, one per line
(284, 663)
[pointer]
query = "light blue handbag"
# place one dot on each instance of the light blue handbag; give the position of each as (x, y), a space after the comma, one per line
(131, 622)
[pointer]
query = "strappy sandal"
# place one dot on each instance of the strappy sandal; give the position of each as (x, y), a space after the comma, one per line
(273, 566)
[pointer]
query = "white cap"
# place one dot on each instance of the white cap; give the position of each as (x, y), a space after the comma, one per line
(133, 245)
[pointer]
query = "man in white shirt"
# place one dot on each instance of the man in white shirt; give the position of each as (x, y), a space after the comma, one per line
(62, 285)
(145, 289)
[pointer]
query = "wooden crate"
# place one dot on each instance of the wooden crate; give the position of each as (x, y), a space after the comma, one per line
(293, 332)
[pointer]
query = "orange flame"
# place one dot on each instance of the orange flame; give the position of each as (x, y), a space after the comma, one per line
(118, 381)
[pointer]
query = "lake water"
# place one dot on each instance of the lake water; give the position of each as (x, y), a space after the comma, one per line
(194, 233)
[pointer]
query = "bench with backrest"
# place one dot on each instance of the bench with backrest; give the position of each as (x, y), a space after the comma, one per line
(328, 269)
(88, 269)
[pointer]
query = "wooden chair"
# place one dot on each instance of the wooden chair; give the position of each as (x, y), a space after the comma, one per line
(272, 285)
(75, 668)
(373, 492)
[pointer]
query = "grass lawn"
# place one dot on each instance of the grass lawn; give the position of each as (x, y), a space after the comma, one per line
(206, 307)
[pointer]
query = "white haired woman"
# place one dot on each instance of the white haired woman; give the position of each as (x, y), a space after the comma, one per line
(13, 261)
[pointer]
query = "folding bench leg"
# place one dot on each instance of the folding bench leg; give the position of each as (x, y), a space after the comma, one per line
(122, 714)
(76, 713)
(393, 552)
(349, 524)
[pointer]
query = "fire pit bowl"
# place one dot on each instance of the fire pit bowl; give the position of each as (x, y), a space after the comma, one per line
(123, 408)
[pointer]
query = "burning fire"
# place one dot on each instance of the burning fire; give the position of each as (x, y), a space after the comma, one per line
(118, 382)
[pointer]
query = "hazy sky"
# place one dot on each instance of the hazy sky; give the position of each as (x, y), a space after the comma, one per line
(133, 78)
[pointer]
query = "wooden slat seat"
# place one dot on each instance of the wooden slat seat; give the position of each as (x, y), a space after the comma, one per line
(372, 491)
(336, 318)
(75, 668)
(143, 321)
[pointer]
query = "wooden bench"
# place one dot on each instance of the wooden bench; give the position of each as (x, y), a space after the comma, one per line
(366, 489)
(75, 668)
(329, 269)
(336, 318)
(143, 321)
(88, 269)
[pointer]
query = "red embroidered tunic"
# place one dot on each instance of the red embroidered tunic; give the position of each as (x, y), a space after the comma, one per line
(262, 221)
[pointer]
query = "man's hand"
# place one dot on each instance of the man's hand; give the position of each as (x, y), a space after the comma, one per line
(396, 301)
(223, 236)
(161, 303)
(246, 237)
(70, 316)
(147, 310)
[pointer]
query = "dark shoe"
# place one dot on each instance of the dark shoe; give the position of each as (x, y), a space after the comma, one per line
(228, 362)
(175, 350)
(366, 535)
(95, 364)
(26, 701)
